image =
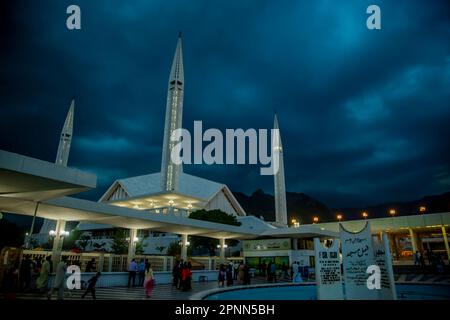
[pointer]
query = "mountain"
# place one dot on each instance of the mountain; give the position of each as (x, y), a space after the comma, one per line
(433, 204)
(299, 206)
(303, 207)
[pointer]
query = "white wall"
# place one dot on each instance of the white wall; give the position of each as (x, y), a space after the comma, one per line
(221, 202)
(120, 279)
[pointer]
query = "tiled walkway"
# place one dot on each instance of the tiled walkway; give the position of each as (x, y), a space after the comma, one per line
(160, 292)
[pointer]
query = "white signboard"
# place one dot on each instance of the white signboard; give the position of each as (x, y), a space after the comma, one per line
(383, 260)
(328, 271)
(357, 255)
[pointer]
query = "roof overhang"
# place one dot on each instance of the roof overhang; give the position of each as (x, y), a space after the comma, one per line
(27, 178)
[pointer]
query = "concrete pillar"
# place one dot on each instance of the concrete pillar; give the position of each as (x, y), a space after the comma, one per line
(101, 261)
(414, 245)
(164, 268)
(131, 246)
(393, 244)
(184, 240)
(447, 248)
(295, 244)
(210, 263)
(110, 260)
(222, 250)
(58, 242)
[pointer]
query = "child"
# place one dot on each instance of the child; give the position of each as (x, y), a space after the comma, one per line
(91, 286)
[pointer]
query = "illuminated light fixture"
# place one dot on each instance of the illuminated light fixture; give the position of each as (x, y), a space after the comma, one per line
(364, 214)
(64, 233)
(392, 212)
(339, 217)
(189, 206)
(219, 246)
(315, 219)
(171, 203)
(422, 209)
(135, 239)
(26, 234)
(52, 233)
(187, 243)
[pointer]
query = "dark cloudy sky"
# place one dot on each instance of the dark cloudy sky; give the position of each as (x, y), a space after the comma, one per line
(364, 115)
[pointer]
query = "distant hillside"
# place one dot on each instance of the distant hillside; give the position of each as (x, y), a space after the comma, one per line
(436, 203)
(303, 207)
(299, 206)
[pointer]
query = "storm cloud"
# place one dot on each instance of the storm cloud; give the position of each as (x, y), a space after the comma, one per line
(364, 114)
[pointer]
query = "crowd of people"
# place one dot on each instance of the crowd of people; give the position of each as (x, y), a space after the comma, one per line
(435, 261)
(182, 275)
(145, 274)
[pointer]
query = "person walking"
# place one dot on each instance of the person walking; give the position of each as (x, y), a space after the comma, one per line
(90, 266)
(241, 273)
(247, 275)
(295, 274)
(186, 277)
(141, 274)
(176, 275)
(132, 269)
(42, 280)
(60, 278)
(91, 286)
(229, 275)
(417, 258)
(235, 270)
(222, 275)
(149, 281)
(273, 271)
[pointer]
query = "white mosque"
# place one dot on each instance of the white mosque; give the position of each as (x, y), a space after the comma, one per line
(171, 191)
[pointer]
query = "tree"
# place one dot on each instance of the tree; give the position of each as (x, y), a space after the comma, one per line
(84, 241)
(174, 249)
(140, 246)
(217, 216)
(99, 246)
(71, 241)
(120, 242)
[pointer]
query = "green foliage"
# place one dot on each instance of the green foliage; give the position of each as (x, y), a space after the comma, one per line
(120, 243)
(215, 216)
(99, 246)
(174, 249)
(140, 246)
(71, 241)
(83, 241)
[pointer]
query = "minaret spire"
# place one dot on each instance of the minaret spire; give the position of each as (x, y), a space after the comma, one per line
(62, 156)
(170, 172)
(280, 187)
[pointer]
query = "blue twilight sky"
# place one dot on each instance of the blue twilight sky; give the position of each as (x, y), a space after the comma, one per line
(364, 115)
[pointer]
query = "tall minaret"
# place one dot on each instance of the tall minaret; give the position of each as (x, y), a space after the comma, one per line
(170, 172)
(61, 158)
(66, 138)
(280, 187)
